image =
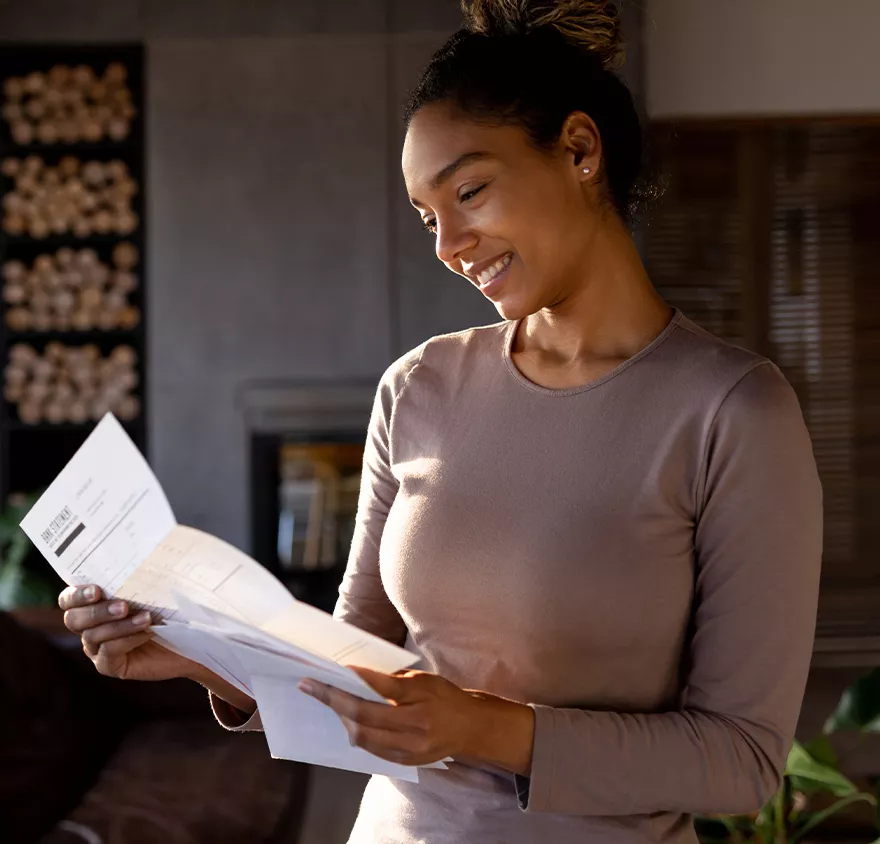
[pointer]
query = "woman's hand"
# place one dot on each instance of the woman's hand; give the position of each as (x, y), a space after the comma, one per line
(117, 642)
(431, 719)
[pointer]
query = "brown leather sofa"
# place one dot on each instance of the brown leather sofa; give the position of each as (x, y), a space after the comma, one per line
(87, 759)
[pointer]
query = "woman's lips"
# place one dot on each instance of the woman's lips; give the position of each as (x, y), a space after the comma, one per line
(494, 284)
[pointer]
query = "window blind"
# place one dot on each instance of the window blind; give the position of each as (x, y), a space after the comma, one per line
(767, 235)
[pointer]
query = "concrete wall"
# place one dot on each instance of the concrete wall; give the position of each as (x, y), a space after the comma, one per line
(757, 57)
(274, 200)
(281, 242)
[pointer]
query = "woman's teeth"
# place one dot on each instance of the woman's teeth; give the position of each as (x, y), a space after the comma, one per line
(499, 266)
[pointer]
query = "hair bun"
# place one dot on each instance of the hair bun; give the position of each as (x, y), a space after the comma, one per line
(592, 25)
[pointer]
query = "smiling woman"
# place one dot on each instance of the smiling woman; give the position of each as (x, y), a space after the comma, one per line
(523, 156)
(566, 513)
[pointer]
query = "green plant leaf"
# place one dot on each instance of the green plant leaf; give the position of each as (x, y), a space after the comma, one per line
(859, 707)
(821, 750)
(810, 775)
(10, 586)
(733, 832)
(821, 817)
(764, 825)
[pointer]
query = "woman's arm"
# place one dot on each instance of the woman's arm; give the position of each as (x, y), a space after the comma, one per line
(225, 692)
(758, 545)
(362, 598)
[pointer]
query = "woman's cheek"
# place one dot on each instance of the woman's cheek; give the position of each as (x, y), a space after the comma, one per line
(493, 219)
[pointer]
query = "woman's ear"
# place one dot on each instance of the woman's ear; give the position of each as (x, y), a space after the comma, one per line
(582, 145)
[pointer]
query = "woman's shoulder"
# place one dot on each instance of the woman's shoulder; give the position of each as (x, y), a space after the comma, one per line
(714, 367)
(445, 354)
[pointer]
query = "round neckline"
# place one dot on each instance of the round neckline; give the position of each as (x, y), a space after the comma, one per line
(590, 385)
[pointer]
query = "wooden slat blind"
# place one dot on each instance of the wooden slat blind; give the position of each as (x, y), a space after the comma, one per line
(768, 236)
(695, 237)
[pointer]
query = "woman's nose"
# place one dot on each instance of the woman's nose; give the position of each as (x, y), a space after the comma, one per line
(453, 239)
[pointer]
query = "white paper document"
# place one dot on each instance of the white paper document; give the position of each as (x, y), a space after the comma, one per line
(106, 520)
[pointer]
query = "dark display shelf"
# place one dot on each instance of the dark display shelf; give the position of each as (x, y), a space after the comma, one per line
(80, 149)
(77, 338)
(57, 241)
(136, 426)
(32, 455)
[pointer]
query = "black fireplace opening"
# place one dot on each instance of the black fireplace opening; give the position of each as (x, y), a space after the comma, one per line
(313, 576)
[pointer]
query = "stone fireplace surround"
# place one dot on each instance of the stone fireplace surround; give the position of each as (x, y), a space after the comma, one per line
(278, 412)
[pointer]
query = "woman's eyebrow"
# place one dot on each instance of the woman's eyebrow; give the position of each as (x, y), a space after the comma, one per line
(451, 169)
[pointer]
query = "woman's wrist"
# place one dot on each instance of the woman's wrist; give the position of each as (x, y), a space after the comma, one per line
(503, 734)
(222, 689)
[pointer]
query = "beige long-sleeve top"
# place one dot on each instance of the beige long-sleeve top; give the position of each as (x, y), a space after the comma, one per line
(637, 559)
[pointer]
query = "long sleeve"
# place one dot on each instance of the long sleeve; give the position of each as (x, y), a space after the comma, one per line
(758, 541)
(362, 598)
(232, 719)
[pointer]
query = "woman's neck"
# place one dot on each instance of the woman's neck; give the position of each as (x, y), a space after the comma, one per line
(613, 313)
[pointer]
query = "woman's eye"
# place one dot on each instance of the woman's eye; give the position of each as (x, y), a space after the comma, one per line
(468, 195)
(430, 225)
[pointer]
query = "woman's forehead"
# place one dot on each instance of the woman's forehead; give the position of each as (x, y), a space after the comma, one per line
(437, 137)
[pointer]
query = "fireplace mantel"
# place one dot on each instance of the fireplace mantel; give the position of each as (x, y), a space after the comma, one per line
(284, 407)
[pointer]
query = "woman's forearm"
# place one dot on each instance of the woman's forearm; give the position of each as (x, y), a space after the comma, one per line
(224, 690)
(503, 734)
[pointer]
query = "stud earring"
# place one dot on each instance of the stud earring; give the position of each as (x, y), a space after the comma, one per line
(586, 171)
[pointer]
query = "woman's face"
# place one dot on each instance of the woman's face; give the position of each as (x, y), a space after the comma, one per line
(514, 220)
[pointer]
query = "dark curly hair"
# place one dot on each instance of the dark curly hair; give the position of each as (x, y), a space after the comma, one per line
(532, 63)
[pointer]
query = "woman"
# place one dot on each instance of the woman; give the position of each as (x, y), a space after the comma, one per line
(587, 518)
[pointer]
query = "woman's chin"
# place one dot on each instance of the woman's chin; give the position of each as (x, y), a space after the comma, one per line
(511, 309)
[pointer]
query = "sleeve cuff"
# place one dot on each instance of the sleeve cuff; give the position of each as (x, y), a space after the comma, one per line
(533, 793)
(234, 719)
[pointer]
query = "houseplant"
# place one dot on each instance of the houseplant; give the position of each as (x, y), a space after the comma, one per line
(20, 587)
(813, 788)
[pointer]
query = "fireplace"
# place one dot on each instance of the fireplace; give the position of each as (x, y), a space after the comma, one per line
(305, 451)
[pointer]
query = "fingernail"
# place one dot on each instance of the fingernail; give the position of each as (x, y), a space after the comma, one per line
(117, 608)
(142, 619)
(90, 593)
(307, 686)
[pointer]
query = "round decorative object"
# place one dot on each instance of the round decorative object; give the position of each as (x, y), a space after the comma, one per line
(10, 167)
(35, 110)
(83, 77)
(68, 105)
(30, 412)
(22, 132)
(126, 223)
(42, 321)
(79, 197)
(12, 112)
(14, 224)
(18, 319)
(71, 383)
(35, 83)
(13, 89)
(14, 271)
(78, 412)
(38, 228)
(71, 290)
(64, 257)
(125, 256)
(82, 228)
(14, 294)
